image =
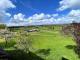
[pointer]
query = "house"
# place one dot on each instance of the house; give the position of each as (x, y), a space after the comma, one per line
(33, 30)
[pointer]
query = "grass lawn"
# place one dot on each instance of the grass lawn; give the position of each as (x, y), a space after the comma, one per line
(48, 44)
(59, 45)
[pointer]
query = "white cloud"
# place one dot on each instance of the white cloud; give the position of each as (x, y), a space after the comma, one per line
(55, 15)
(18, 20)
(36, 19)
(65, 4)
(40, 16)
(19, 17)
(8, 14)
(39, 19)
(75, 13)
(4, 5)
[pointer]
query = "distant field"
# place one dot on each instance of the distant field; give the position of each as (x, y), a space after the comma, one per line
(59, 45)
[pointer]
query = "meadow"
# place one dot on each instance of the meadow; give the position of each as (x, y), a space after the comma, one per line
(59, 45)
(48, 43)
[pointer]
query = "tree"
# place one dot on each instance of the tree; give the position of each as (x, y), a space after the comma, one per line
(22, 41)
(6, 35)
(73, 29)
(2, 26)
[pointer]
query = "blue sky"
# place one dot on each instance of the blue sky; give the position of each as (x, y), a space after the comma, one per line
(30, 7)
(38, 12)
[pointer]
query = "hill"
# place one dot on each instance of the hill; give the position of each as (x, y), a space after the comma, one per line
(48, 42)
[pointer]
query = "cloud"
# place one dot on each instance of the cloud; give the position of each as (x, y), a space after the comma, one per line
(65, 4)
(4, 5)
(18, 17)
(18, 20)
(4, 16)
(74, 13)
(41, 19)
(44, 19)
(55, 15)
(40, 16)
(36, 19)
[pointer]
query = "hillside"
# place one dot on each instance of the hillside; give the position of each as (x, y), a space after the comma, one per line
(52, 39)
(48, 43)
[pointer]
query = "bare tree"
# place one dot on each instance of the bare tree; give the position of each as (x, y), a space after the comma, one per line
(74, 30)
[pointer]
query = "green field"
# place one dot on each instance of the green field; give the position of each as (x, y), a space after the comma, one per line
(59, 45)
(47, 43)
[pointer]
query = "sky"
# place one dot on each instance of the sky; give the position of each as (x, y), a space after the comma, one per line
(39, 12)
